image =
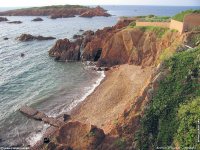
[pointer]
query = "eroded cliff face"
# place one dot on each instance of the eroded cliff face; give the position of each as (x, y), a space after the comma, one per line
(129, 45)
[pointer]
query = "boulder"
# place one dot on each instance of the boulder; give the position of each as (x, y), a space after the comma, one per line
(29, 37)
(76, 36)
(14, 22)
(76, 135)
(64, 50)
(5, 38)
(37, 19)
(3, 19)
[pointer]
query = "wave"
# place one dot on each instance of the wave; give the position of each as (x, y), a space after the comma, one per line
(35, 137)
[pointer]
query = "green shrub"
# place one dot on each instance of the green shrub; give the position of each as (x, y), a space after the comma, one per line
(188, 114)
(132, 24)
(159, 31)
(180, 16)
(120, 143)
(160, 123)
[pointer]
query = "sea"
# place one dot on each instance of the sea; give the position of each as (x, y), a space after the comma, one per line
(38, 81)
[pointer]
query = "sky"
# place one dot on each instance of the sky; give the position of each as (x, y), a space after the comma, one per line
(18, 3)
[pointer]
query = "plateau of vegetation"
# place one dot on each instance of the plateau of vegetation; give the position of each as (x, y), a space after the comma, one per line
(159, 31)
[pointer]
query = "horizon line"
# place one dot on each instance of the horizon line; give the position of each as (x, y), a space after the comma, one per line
(105, 5)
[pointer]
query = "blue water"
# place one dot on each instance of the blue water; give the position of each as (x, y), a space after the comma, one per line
(37, 80)
(146, 10)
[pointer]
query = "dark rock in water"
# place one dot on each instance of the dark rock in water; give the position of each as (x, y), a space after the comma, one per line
(46, 140)
(3, 19)
(76, 36)
(22, 54)
(99, 69)
(88, 32)
(55, 16)
(81, 30)
(5, 38)
(57, 58)
(37, 19)
(64, 50)
(66, 117)
(29, 37)
(14, 22)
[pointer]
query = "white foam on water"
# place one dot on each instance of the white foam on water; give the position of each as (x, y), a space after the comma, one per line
(35, 137)
(89, 91)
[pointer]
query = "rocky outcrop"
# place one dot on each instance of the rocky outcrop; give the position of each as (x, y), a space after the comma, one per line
(112, 46)
(58, 11)
(29, 37)
(94, 42)
(134, 46)
(37, 19)
(98, 11)
(76, 136)
(64, 50)
(3, 19)
(14, 22)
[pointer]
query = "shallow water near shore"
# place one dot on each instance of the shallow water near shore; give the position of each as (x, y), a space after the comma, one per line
(40, 82)
(36, 79)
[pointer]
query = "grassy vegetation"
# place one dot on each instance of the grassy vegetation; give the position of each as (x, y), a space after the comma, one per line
(180, 16)
(188, 114)
(57, 7)
(120, 143)
(177, 97)
(132, 24)
(152, 18)
(159, 31)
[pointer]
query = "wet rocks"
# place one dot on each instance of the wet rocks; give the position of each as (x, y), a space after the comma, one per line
(29, 37)
(3, 19)
(64, 50)
(14, 22)
(37, 19)
(5, 38)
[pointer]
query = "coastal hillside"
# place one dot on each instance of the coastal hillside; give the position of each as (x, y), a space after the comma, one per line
(150, 90)
(58, 11)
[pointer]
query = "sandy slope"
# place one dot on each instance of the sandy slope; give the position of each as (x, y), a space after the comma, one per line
(112, 96)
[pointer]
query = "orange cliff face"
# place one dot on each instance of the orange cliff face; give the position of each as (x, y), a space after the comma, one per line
(130, 45)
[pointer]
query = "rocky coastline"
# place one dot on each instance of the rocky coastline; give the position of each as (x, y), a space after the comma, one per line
(134, 61)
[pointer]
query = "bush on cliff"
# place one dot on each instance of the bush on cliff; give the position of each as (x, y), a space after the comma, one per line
(180, 16)
(159, 31)
(162, 124)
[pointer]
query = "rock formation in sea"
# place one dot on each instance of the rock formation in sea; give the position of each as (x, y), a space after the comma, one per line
(3, 19)
(37, 19)
(29, 37)
(64, 50)
(14, 22)
(54, 12)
